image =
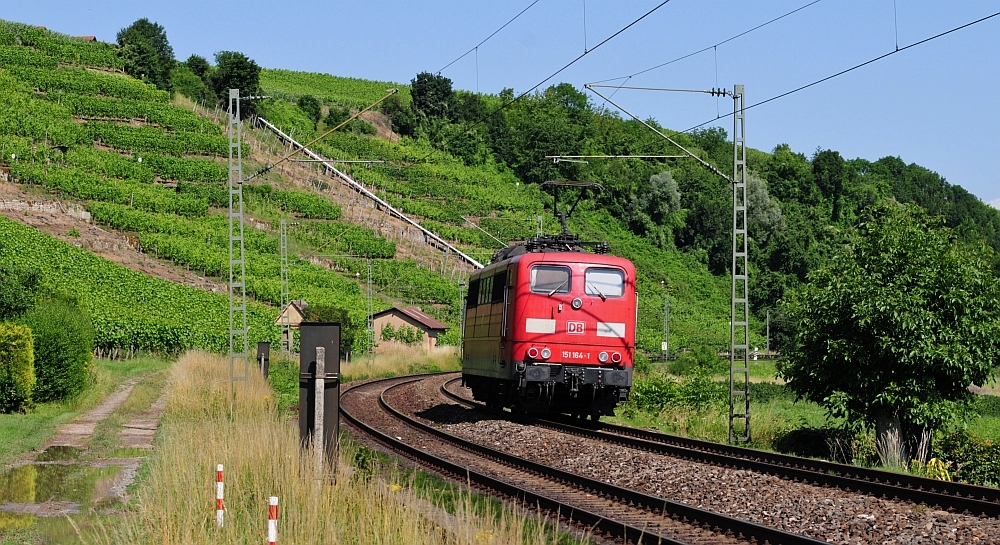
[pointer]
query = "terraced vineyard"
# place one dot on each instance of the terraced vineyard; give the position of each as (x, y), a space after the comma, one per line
(75, 127)
(351, 92)
(130, 310)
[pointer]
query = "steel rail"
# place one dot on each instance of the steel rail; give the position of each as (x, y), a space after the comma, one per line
(661, 508)
(978, 500)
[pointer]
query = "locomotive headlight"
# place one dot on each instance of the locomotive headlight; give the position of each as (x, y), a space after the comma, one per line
(577, 303)
(616, 357)
(602, 357)
(533, 353)
(546, 353)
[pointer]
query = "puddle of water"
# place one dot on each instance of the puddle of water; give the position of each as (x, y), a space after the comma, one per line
(35, 484)
(59, 453)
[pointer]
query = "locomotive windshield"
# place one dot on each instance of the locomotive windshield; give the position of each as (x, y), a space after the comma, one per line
(605, 282)
(550, 279)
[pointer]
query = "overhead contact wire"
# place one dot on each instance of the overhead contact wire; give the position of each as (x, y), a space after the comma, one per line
(727, 40)
(495, 32)
(851, 69)
(559, 71)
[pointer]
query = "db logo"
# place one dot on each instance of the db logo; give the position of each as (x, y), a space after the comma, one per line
(576, 328)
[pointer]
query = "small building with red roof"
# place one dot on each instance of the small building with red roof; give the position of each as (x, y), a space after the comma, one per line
(409, 325)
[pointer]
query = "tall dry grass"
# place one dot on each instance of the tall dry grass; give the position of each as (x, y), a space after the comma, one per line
(395, 359)
(174, 502)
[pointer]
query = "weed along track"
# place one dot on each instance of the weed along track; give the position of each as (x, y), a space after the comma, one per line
(429, 418)
(395, 413)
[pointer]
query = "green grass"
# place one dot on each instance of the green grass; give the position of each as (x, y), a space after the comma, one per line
(987, 427)
(768, 421)
(20, 433)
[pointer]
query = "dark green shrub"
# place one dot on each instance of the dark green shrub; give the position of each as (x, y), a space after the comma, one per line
(766, 392)
(360, 126)
(319, 312)
(699, 391)
(311, 106)
(63, 345)
(409, 336)
(283, 375)
(653, 393)
(699, 357)
(186, 82)
(17, 368)
(336, 116)
(972, 459)
(642, 364)
(17, 291)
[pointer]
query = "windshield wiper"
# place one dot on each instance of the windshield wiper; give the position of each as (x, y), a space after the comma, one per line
(603, 297)
(559, 287)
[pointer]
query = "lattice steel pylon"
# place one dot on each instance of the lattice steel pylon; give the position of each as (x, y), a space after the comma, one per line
(739, 331)
(286, 325)
(237, 266)
(371, 312)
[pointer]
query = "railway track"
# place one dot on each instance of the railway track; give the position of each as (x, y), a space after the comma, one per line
(606, 510)
(962, 498)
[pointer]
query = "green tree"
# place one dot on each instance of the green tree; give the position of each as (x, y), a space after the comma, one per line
(147, 52)
(891, 332)
(829, 171)
(199, 65)
(312, 108)
(432, 95)
(650, 209)
(336, 116)
(400, 113)
(187, 83)
(138, 57)
(235, 70)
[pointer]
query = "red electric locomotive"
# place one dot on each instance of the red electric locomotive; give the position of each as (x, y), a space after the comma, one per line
(551, 327)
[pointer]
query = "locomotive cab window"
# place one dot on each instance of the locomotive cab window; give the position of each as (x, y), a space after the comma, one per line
(472, 297)
(550, 279)
(485, 290)
(499, 284)
(604, 283)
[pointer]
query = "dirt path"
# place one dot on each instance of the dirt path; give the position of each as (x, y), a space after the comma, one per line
(78, 432)
(139, 431)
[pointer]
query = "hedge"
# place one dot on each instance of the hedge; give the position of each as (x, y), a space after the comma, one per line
(17, 367)
(63, 346)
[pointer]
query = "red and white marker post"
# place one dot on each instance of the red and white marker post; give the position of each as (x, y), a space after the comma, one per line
(272, 520)
(220, 510)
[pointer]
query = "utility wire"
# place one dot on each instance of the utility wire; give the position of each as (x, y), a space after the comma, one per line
(851, 69)
(507, 104)
(582, 55)
(462, 56)
(727, 40)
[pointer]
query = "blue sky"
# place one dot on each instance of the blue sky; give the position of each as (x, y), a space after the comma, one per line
(930, 104)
